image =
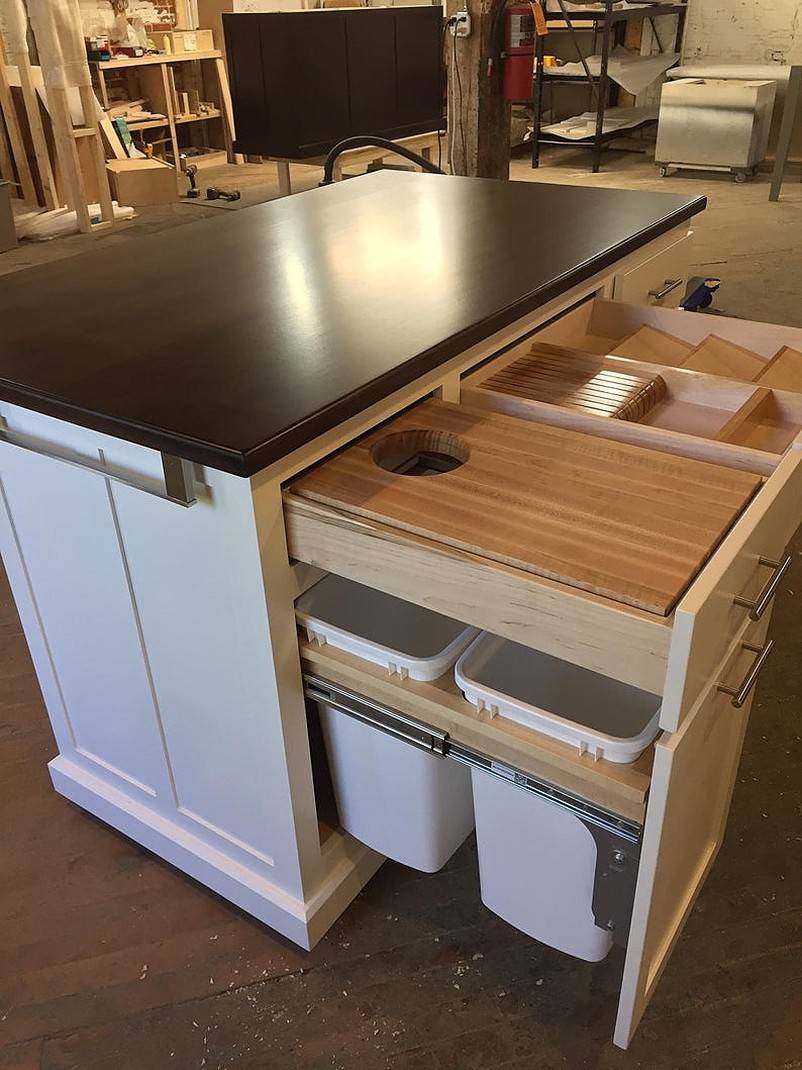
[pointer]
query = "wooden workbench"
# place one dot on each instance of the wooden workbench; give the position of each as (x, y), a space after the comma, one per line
(431, 146)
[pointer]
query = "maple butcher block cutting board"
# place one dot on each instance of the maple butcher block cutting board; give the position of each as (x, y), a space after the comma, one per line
(631, 524)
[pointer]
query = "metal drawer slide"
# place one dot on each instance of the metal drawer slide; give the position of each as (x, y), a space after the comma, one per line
(617, 841)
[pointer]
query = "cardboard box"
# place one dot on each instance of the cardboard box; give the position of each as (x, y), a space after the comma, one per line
(8, 235)
(189, 40)
(137, 183)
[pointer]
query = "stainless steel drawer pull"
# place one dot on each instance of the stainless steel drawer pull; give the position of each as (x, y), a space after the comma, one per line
(178, 482)
(741, 693)
(670, 284)
(759, 605)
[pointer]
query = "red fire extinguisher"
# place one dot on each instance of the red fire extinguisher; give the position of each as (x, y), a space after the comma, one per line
(519, 51)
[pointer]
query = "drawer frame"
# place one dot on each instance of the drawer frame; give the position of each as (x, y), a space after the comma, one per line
(616, 789)
(594, 632)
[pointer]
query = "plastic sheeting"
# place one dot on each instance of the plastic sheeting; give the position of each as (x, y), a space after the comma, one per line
(582, 127)
(59, 39)
(631, 71)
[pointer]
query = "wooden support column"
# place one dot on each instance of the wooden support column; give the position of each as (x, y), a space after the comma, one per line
(478, 116)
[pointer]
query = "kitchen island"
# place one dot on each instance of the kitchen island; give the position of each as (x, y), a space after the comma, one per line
(155, 547)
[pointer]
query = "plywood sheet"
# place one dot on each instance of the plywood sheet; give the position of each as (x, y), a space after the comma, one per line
(578, 380)
(783, 372)
(717, 356)
(653, 346)
(616, 520)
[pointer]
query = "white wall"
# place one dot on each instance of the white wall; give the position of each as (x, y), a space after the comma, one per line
(757, 31)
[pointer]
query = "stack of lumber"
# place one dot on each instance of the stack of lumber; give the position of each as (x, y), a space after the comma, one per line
(71, 183)
(134, 111)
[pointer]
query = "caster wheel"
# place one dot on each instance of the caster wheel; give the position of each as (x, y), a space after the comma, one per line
(663, 172)
(740, 177)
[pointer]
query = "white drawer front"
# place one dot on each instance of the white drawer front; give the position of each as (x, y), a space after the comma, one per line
(711, 614)
(659, 280)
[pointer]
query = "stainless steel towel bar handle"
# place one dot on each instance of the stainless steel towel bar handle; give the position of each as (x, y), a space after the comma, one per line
(741, 693)
(670, 284)
(758, 606)
(178, 485)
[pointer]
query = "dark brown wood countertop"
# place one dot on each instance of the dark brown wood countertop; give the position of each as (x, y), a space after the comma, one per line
(233, 341)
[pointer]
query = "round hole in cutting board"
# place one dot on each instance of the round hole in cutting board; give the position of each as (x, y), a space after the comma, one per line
(420, 453)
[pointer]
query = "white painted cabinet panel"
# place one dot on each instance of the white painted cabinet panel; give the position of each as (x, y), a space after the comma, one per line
(196, 576)
(60, 522)
(149, 624)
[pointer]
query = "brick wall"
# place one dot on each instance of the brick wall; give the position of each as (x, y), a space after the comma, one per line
(97, 15)
(743, 31)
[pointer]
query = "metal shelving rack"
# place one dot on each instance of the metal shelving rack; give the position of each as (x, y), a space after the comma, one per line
(609, 25)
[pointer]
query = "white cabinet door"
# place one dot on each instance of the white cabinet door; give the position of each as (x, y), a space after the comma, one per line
(197, 578)
(689, 803)
(61, 546)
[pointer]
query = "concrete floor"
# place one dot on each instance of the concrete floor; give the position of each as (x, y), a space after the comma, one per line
(741, 237)
(111, 960)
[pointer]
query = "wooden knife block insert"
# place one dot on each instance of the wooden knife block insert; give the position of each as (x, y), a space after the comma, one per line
(580, 381)
(630, 524)
(673, 399)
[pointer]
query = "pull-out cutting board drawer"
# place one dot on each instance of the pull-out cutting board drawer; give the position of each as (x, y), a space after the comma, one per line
(596, 633)
(627, 524)
(588, 629)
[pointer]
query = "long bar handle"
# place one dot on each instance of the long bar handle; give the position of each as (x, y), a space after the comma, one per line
(758, 606)
(741, 693)
(178, 481)
(670, 284)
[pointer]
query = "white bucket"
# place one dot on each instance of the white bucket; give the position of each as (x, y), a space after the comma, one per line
(537, 864)
(404, 803)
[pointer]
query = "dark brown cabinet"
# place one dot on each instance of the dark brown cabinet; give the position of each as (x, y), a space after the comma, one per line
(302, 80)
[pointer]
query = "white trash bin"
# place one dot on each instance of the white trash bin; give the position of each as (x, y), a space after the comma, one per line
(537, 860)
(404, 803)
(403, 637)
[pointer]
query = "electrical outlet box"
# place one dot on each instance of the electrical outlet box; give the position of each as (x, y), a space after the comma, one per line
(461, 26)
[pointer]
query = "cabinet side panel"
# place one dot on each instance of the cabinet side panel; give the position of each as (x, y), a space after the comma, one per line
(81, 622)
(243, 49)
